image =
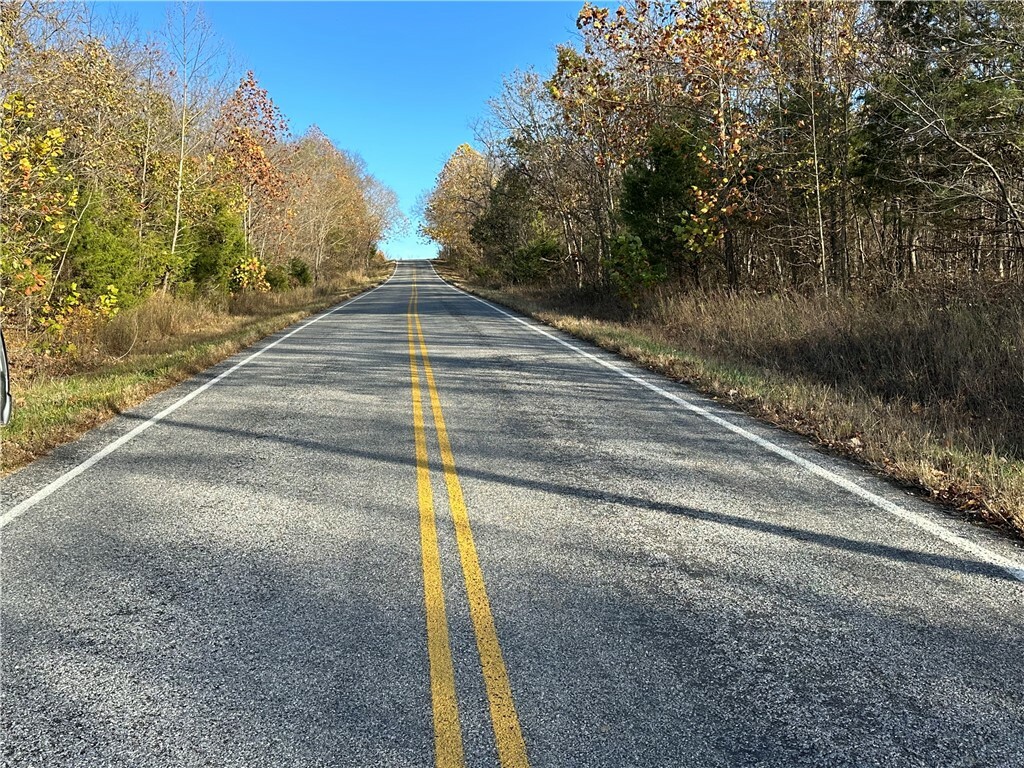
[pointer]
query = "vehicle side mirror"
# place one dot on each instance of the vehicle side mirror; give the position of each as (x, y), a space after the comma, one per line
(7, 405)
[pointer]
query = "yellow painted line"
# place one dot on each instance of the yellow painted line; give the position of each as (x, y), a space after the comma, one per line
(447, 731)
(507, 733)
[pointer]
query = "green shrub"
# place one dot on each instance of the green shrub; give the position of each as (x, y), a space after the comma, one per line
(278, 278)
(299, 271)
(219, 245)
(106, 251)
(532, 263)
(629, 268)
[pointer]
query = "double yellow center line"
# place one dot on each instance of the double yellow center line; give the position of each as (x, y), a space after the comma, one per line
(508, 735)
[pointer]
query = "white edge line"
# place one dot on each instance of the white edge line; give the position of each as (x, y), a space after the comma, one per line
(1014, 569)
(46, 491)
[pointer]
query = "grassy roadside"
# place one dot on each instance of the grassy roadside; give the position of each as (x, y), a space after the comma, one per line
(965, 459)
(55, 405)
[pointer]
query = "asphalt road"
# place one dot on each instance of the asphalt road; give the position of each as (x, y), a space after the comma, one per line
(460, 541)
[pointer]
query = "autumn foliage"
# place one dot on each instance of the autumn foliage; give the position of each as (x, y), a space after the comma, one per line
(819, 146)
(128, 167)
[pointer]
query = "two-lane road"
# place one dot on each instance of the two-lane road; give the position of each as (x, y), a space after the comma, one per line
(420, 531)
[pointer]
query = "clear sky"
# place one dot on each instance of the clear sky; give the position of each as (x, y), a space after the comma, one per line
(399, 83)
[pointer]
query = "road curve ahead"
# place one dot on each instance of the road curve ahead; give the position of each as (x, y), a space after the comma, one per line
(421, 531)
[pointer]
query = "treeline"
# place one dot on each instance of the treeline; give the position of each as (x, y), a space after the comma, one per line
(822, 145)
(130, 165)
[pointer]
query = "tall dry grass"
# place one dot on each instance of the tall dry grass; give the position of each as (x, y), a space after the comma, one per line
(155, 321)
(957, 365)
(163, 319)
(255, 304)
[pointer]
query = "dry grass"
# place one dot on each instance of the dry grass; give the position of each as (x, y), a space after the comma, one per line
(928, 391)
(144, 350)
(163, 320)
(958, 366)
(159, 321)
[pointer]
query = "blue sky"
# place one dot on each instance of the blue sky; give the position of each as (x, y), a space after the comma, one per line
(399, 83)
